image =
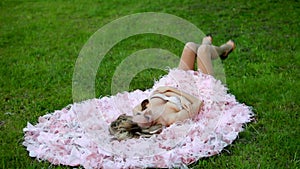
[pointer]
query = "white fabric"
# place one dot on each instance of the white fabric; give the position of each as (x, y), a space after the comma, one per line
(172, 99)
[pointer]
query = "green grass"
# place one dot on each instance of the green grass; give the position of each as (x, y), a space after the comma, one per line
(40, 42)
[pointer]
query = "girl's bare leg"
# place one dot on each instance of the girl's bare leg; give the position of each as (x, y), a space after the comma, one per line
(188, 56)
(207, 52)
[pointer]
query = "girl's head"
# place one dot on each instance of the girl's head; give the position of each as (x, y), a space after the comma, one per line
(125, 127)
(144, 117)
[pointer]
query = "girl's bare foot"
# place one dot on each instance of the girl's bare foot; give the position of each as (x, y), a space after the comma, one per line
(207, 40)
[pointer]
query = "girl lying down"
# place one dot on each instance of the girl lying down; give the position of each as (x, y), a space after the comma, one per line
(167, 105)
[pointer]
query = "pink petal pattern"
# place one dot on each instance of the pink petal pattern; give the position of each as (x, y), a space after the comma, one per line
(78, 134)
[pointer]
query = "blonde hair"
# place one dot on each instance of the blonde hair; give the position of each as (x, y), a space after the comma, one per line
(124, 128)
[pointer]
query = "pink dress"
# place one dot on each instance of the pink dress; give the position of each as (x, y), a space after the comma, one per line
(78, 134)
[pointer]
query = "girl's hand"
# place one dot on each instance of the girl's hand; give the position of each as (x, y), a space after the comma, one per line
(185, 104)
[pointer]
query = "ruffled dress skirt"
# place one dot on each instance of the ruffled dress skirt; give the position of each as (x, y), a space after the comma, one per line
(78, 134)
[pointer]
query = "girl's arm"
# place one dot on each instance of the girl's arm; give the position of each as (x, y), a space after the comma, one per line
(168, 91)
(189, 102)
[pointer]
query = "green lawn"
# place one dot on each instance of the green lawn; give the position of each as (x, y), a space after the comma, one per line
(40, 42)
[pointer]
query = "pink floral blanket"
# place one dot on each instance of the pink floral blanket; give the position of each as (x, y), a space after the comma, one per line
(78, 134)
